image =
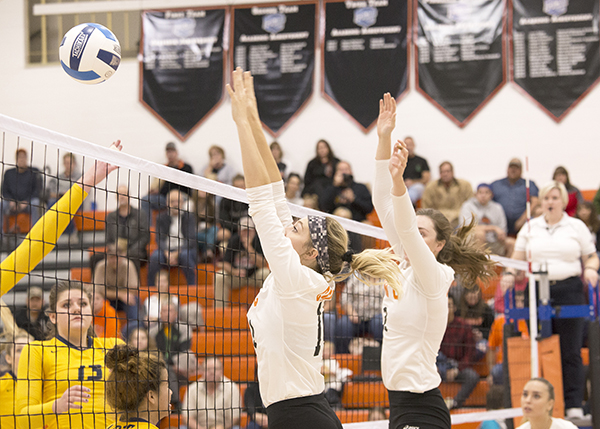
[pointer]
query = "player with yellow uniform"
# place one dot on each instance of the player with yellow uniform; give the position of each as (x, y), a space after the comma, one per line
(13, 346)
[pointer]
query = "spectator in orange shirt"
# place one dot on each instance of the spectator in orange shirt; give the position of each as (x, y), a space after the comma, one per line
(496, 339)
(106, 323)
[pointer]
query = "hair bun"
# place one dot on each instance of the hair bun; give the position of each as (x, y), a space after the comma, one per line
(118, 357)
(347, 257)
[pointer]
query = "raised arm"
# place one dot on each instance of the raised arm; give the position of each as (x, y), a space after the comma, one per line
(43, 236)
(255, 170)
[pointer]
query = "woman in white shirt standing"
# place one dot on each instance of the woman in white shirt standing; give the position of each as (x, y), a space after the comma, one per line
(537, 402)
(414, 324)
(559, 242)
(306, 259)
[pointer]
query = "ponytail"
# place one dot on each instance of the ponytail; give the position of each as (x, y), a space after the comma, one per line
(8, 321)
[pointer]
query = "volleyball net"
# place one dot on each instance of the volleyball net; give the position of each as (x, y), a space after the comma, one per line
(172, 263)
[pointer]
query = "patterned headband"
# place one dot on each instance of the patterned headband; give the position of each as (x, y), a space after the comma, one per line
(317, 225)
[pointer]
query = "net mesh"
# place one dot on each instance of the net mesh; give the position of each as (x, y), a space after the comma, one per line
(170, 264)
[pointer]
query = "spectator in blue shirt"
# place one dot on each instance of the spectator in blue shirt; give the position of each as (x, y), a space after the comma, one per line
(511, 193)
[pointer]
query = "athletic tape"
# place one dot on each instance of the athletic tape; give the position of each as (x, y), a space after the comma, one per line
(102, 153)
(456, 419)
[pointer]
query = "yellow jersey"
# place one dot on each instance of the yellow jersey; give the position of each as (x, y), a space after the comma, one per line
(133, 424)
(8, 384)
(41, 239)
(48, 368)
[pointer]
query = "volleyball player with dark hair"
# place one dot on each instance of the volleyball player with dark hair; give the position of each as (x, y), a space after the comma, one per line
(61, 380)
(306, 259)
(137, 388)
(414, 324)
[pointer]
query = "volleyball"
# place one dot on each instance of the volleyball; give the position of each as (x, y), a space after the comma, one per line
(90, 53)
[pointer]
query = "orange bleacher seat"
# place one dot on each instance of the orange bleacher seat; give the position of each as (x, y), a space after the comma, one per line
(222, 343)
(352, 416)
(243, 296)
(239, 368)
(83, 274)
(226, 318)
(90, 221)
(589, 194)
(173, 421)
(18, 222)
(477, 397)
(352, 362)
(204, 294)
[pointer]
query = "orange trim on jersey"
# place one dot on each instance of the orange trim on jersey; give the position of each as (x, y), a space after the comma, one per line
(387, 292)
(326, 295)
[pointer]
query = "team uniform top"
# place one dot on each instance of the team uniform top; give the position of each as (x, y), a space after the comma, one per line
(132, 424)
(286, 318)
(48, 368)
(556, 424)
(8, 383)
(415, 324)
(41, 239)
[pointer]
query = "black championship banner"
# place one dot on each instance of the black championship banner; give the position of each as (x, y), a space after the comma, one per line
(555, 51)
(183, 66)
(460, 54)
(276, 42)
(365, 54)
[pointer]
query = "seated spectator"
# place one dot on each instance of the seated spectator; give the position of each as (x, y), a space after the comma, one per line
(243, 263)
(416, 174)
(496, 340)
(293, 186)
(33, 318)
(511, 193)
(345, 192)
(474, 312)
(282, 164)
(335, 376)
(217, 169)
(447, 194)
(320, 169)
(171, 339)
(153, 302)
(191, 314)
(127, 223)
(21, 189)
(494, 400)
(177, 240)
(120, 277)
(455, 358)
(230, 211)
(491, 221)
(59, 186)
(361, 308)
(159, 189)
(376, 414)
(213, 401)
(209, 231)
(106, 323)
(311, 201)
(562, 175)
(355, 240)
(587, 213)
(139, 338)
(253, 405)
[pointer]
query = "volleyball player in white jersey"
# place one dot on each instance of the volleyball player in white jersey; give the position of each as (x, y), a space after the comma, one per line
(286, 318)
(414, 323)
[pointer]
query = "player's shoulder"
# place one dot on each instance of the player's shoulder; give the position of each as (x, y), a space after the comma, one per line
(107, 343)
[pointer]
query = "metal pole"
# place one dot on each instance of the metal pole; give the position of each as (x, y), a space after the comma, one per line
(533, 326)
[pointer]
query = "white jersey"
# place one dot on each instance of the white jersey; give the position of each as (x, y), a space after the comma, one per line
(415, 324)
(286, 318)
(556, 424)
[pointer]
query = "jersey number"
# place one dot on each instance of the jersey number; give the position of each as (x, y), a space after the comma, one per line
(385, 315)
(319, 328)
(252, 333)
(95, 376)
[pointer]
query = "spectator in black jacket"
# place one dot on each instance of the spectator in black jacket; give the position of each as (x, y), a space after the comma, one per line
(345, 192)
(230, 211)
(177, 242)
(21, 188)
(33, 318)
(319, 171)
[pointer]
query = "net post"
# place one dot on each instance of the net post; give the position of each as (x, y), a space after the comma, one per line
(507, 400)
(594, 349)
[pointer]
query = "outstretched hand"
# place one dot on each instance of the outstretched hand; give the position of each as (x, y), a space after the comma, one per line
(241, 94)
(386, 122)
(398, 161)
(100, 169)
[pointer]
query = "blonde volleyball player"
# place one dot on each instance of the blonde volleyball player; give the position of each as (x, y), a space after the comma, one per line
(43, 235)
(61, 381)
(414, 323)
(137, 388)
(306, 258)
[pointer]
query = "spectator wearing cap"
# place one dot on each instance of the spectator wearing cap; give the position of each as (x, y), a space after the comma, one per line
(447, 194)
(157, 195)
(491, 220)
(33, 318)
(243, 263)
(416, 174)
(511, 193)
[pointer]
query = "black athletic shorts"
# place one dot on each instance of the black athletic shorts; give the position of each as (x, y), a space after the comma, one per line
(418, 410)
(307, 412)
